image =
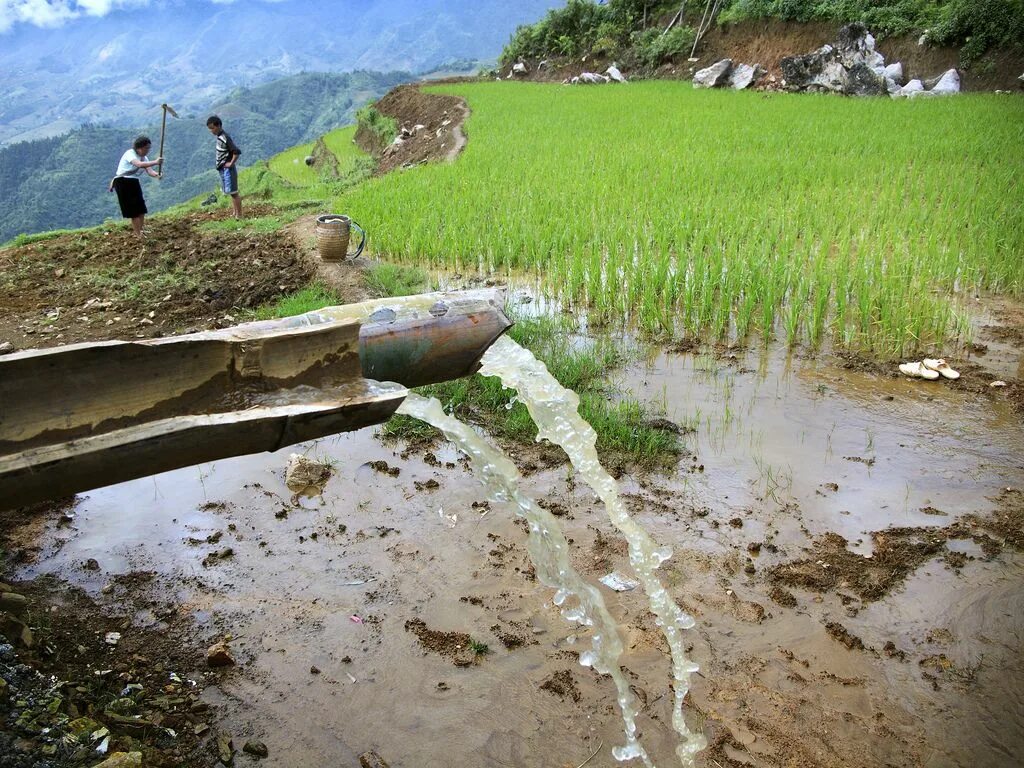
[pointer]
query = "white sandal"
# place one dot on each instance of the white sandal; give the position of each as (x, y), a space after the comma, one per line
(919, 371)
(942, 367)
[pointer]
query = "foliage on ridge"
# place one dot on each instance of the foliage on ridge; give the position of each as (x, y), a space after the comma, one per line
(633, 30)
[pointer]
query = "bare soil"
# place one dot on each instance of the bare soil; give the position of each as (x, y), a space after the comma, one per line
(440, 136)
(105, 283)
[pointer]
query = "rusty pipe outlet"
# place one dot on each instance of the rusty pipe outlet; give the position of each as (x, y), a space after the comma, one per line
(83, 416)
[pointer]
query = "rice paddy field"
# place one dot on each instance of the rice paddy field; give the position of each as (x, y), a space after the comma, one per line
(862, 224)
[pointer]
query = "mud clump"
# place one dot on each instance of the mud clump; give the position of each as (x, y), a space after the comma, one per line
(838, 632)
(897, 553)
(562, 684)
(384, 468)
(782, 597)
(456, 646)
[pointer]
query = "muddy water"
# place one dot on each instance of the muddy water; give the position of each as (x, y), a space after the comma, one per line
(776, 688)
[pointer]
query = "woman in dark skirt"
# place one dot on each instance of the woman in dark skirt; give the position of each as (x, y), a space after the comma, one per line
(128, 185)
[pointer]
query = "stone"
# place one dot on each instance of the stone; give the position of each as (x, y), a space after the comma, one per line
(590, 78)
(6, 347)
(714, 76)
(17, 632)
(309, 160)
(519, 69)
(615, 74)
(83, 728)
(895, 72)
(947, 84)
(892, 87)
(122, 760)
(12, 602)
(219, 655)
(257, 748)
(745, 75)
(818, 71)
(861, 80)
(908, 90)
(225, 749)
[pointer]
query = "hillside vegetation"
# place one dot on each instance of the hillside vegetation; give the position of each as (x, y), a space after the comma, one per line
(62, 182)
(676, 209)
(633, 31)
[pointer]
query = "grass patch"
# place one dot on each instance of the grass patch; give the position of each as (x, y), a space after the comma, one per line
(385, 279)
(309, 299)
(270, 223)
(38, 237)
(623, 434)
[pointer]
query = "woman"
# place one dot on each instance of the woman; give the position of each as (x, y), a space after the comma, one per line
(127, 184)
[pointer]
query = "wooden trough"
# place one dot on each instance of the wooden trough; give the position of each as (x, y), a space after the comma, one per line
(84, 416)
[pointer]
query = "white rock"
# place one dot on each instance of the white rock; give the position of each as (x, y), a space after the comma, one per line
(895, 72)
(948, 84)
(614, 73)
(714, 76)
(743, 75)
(519, 68)
(908, 90)
(618, 582)
(592, 78)
(892, 87)
(6, 347)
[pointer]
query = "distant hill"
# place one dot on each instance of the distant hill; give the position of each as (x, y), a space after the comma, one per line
(117, 67)
(61, 182)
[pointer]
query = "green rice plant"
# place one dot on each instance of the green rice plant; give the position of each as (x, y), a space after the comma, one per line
(718, 213)
(383, 279)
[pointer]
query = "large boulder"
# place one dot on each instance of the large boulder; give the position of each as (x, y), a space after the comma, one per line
(894, 72)
(948, 83)
(855, 45)
(714, 76)
(861, 80)
(745, 75)
(818, 71)
(615, 74)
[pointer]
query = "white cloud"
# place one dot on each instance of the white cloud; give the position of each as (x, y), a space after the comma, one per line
(54, 13)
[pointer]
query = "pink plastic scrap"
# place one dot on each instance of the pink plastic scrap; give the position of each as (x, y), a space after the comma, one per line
(356, 619)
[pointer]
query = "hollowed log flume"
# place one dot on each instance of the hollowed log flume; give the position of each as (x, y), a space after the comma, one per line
(83, 416)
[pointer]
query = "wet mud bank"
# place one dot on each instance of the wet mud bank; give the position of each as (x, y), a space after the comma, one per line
(850, 549)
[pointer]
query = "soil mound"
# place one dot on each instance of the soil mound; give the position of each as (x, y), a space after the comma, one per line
(430, 128)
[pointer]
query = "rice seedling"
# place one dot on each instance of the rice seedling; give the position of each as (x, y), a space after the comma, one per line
(859, 223)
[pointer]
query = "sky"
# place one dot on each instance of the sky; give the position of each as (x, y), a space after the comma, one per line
(56, 13)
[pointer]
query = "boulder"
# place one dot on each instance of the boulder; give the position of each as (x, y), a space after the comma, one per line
(818, 71)
(894, 72)
(714, 76)
(590, 78)
(892, 87)
(745, 75)
(519, 69)
(616, 75)
(219, 655)
(908, 90)
(854, 44)
(947, 84)
(861, 80)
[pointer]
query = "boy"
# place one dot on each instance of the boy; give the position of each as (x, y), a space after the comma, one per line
(227, 157)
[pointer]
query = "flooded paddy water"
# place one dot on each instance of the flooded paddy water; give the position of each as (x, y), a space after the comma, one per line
(359, 618)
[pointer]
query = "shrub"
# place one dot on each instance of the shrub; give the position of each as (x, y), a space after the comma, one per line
(652, 46)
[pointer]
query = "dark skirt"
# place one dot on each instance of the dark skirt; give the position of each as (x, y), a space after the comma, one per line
(129, 195)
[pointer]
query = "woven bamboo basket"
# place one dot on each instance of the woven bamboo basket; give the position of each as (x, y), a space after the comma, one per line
(333, 232)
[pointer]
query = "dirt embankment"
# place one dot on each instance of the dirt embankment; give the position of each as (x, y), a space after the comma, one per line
(767, 42)
(430, 128)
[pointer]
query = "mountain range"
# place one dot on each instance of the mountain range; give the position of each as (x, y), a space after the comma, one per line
(119, 67)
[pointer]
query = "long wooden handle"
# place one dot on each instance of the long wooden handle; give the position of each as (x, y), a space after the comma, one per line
(163, 128)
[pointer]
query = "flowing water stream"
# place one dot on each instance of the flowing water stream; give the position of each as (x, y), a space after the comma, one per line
(555, 411)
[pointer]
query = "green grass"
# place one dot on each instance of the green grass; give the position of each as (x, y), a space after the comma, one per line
(384, 279)
(578, 364)
(290, 165)
(815, 219)
(313, 297)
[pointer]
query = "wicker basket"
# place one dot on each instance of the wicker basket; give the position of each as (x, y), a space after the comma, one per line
(332, 237)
